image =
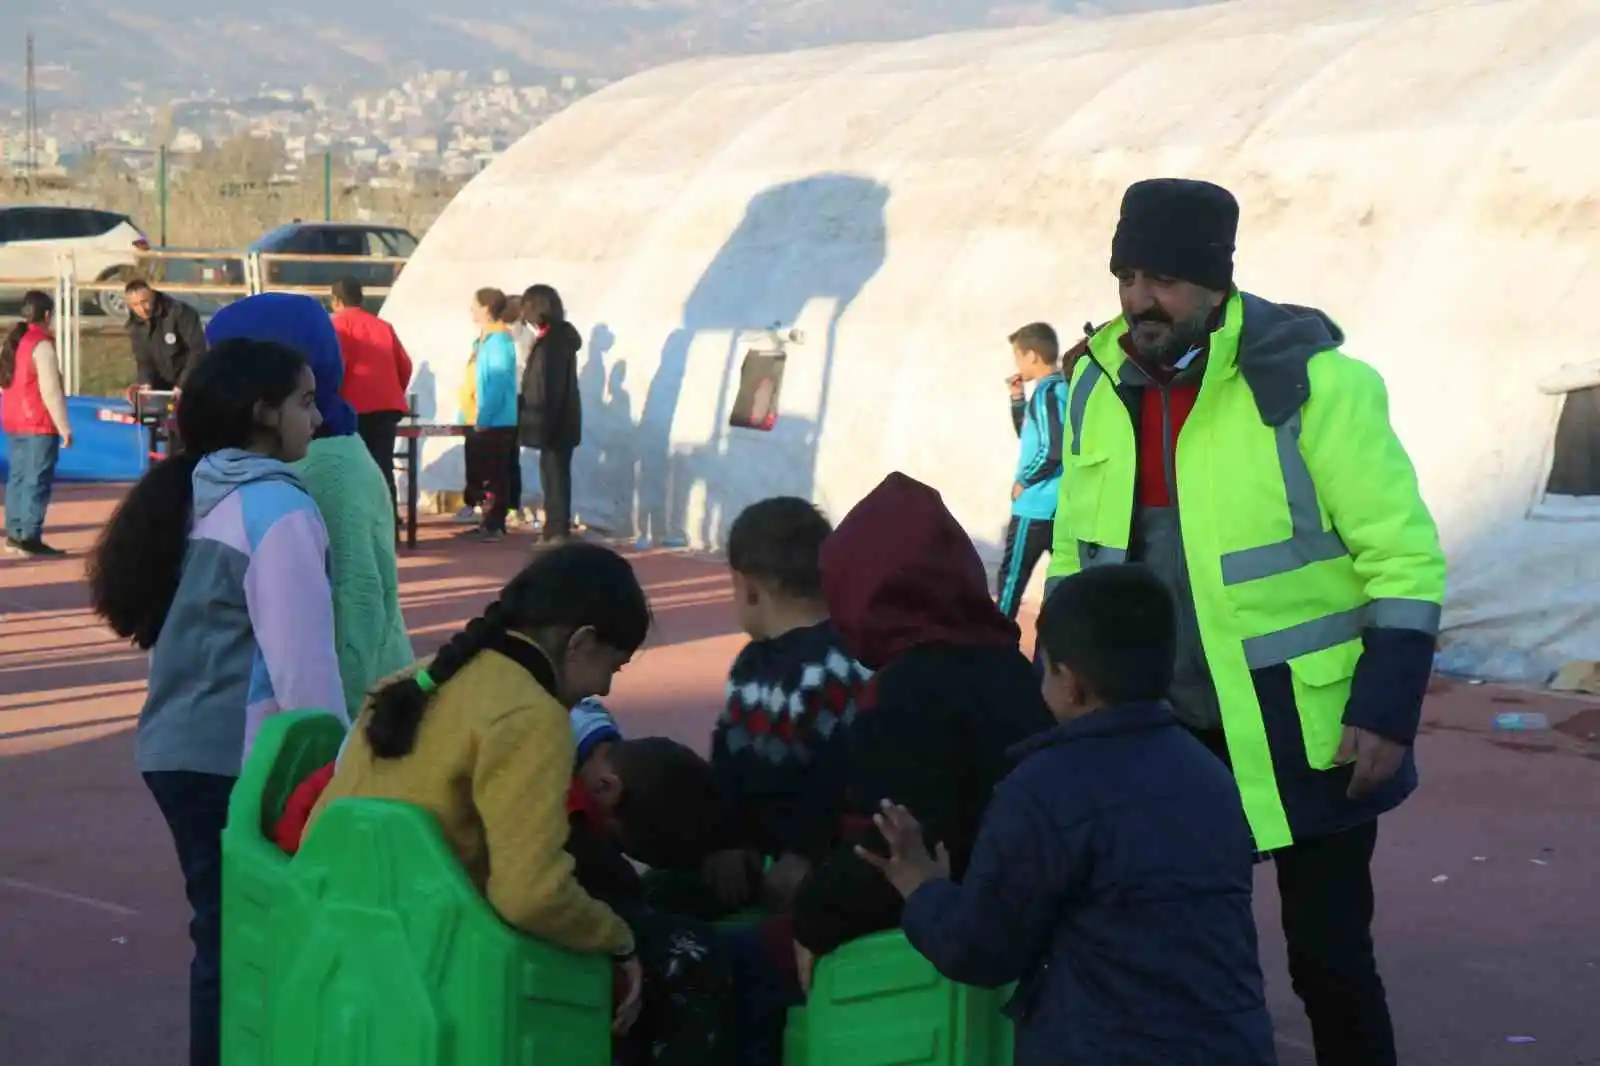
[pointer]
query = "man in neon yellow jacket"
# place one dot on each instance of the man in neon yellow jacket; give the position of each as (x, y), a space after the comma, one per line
(1227, 443)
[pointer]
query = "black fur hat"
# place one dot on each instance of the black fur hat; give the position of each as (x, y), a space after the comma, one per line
(1178, 228)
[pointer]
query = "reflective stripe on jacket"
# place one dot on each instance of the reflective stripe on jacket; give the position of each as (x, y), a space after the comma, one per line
(1311, 557)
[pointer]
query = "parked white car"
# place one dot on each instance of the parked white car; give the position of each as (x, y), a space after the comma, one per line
(103, 244)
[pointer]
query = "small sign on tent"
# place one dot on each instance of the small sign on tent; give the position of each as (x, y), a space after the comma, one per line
(760, 382)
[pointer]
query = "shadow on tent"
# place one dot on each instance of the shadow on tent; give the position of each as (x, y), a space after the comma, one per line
(820, 238)
(102, 449)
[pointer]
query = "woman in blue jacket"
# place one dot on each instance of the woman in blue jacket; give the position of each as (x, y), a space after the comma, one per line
(494, 361)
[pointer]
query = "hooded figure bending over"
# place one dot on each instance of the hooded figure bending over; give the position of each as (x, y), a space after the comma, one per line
(951, 693)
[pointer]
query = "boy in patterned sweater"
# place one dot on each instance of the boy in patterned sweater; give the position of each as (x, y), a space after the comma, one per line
(778, 749)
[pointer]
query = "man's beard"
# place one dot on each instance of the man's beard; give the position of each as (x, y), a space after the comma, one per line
(1179, 339)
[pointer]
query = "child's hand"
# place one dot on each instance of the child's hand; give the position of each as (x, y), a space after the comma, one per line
(728, 875)
(909, 866)
(1014, 383)
(630, 998)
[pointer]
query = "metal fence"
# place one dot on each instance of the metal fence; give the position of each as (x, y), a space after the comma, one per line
(206, 279)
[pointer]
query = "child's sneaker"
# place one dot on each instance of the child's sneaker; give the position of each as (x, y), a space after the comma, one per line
(465, 515)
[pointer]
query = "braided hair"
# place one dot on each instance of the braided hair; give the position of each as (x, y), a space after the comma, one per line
(564, 589)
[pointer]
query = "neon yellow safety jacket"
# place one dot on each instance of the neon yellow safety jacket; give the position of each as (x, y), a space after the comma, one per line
(1307, 559)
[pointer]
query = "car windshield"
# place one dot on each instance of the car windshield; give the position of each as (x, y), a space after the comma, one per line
(398, 242)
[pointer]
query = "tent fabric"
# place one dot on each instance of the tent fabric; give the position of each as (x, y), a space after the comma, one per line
(885, 215)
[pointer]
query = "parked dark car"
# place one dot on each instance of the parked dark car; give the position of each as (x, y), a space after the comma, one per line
(334, 243)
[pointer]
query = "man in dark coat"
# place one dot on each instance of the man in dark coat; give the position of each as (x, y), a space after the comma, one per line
(551, 418)
(168, 341)
(167, 335)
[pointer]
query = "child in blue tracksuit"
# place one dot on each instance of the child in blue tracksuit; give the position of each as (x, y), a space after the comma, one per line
(1038, 421)
(1111, 877)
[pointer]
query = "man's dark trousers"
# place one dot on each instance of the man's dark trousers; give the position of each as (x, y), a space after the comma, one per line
(1325, 888)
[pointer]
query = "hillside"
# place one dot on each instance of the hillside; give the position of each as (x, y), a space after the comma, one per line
(97, 51)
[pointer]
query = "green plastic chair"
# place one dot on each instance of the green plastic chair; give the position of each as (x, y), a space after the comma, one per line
(255, 873)
(371, 946)
(385, 954)
(876, 1002)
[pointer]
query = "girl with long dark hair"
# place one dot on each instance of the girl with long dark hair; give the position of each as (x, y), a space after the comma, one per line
(217, 563)
(349, 490)
(33, 411)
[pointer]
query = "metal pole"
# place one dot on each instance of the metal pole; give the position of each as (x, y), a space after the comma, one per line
(327, 186)
(161, 190)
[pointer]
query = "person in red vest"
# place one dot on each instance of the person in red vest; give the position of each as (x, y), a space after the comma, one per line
(33, 410)
(377, 371)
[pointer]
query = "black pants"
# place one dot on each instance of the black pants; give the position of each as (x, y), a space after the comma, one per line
(492, 447)
(472, 478)
(1325, 890)
(196, 809)
(514, 478)
(686, 990)
(555, 479)
(1027, 539)
(377, 429)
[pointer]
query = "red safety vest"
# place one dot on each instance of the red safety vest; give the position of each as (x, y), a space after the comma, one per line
(22, 409)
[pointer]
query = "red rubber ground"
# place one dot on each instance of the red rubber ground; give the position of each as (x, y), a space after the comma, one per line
(1488, 880)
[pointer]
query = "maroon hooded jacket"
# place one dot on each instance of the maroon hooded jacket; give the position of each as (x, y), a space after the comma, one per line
(952, 692)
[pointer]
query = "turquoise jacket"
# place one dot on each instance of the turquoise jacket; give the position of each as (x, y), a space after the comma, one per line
(497, 381)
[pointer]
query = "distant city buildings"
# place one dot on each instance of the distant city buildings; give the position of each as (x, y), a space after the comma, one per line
(439, 122)
(14, 151)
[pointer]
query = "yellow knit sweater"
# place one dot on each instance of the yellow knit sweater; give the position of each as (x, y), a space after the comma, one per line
(493, 762)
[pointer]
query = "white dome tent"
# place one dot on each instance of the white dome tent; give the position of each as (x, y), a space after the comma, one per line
(1424, 171)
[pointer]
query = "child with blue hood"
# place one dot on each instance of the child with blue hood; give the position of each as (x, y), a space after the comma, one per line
(348, 488)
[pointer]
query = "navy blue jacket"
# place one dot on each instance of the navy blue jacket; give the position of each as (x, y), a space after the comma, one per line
(1111, 878)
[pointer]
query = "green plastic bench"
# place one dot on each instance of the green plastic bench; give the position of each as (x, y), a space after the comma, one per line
(385, 954)
(876, 1002)
(255, 873)
(372, 948)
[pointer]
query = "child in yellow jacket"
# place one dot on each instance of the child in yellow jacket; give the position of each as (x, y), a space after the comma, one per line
(480, 737)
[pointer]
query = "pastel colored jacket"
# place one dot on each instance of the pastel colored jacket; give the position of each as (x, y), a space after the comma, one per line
(250, 630)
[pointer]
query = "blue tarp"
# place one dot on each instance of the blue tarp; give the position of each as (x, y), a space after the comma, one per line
(102, 449)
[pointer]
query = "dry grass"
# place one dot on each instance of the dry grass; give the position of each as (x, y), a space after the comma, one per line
(106, 360)
(222, 198)
(218, 199)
